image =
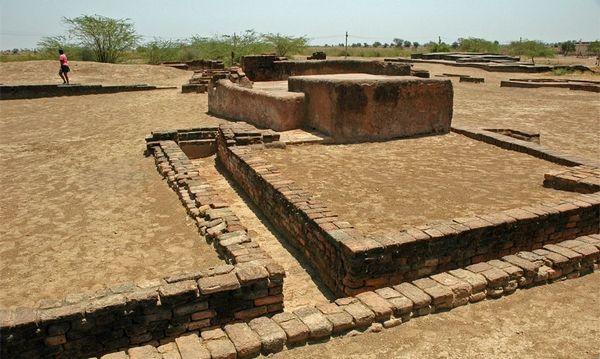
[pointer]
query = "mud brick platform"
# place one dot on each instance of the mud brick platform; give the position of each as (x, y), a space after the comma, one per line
(359, 107)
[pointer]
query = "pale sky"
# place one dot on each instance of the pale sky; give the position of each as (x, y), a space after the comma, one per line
(24, 22)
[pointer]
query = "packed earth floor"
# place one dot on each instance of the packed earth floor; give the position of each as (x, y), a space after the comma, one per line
(385, 186)
(83, 208)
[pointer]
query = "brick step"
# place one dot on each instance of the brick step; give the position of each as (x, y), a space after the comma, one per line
(385, 307)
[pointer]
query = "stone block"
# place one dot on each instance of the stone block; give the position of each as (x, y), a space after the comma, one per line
(341, 320)
(441, 296)
(144, 352)
(218, 283)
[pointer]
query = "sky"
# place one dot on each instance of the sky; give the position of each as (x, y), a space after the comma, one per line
(24, 22)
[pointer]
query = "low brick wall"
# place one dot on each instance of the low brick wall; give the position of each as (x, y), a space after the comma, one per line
(158, 311)
(580, 86)
(271, 68)
(388, 307)
(280, 111)
(531, 148)
(582, 179)
(15, 92)
(350, 262)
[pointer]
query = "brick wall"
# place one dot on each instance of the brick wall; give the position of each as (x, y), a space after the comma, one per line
(157, 311)
(350, 262)
(14, 92)
(271, 68)
(279, 111)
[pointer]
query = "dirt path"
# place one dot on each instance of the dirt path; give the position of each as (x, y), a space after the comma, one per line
(390, 185)
(561, 320)
(82, 208)
(302, 285)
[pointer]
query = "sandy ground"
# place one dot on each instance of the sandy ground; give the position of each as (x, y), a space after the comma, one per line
(302, 285)
(87, 72)
(560, 320)
(566, 120)
(82, 207)
(390, 185)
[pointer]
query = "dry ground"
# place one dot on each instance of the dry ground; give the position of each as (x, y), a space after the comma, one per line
(87, 72)
(394, 184)
(82, 207)
(560, 320)
(567, 120)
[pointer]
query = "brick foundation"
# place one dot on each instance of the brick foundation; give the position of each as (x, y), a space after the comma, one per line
(388, 307)
(350, 262)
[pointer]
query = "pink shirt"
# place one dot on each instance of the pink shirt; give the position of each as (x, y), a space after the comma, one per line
(63, 60)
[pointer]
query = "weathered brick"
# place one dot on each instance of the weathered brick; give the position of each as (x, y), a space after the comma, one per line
(341, 320)
(247, 343)
(316, 322)
(271, 335)
(419, 298)
(379, 306)
(296, 331)
(441, 297)
(461, 289)
(190, 347)
(218, 283)
(144, 352)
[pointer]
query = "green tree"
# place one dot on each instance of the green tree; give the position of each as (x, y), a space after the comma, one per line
(48, 46)
(376, 44)
(567, 47)
(398, 42)
(286, 45)
(158, 51)
(415, 45)
(438, 47)
(473, 44)
(229, 48)
(406, 44)
(530, 49)
(594, 48)
(108, 38)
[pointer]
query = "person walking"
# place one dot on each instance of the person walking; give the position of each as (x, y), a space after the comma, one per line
(64, 66)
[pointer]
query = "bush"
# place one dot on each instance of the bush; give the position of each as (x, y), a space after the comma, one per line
(530, 49)
(473, 44)
(159, 51)
(439, 47)
(286, 45)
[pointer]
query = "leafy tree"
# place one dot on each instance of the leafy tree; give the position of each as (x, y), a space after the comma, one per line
(454, 45)
(406, 44)
(229, 48)
(158, 51)
(594, 47)
(415, 44)
(286, 45)
(530, 49)
(398, 42)
(438, 47)
(49, 46)
(376, 44)
(473, 44)
(567, 47)
(108, 38)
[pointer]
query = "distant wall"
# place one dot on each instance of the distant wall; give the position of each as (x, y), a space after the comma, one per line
(15, 92)
(279, 111)
(270, 68)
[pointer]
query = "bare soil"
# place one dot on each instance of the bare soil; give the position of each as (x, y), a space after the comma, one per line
(567, 120)
(560, 320)
(87, 72)
(82, 208)
(395, 184)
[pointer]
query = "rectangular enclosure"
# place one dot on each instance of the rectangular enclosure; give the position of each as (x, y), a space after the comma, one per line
(393, 185)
